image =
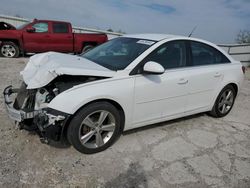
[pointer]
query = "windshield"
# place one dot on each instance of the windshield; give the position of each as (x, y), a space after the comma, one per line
(22, 26)
(118, 53)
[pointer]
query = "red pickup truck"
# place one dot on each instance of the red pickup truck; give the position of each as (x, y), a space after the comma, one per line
(43, 36)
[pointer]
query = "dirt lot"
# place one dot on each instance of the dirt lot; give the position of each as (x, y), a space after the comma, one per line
(197, 151)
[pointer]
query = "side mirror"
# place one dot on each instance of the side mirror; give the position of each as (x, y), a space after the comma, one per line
(30, 29)
(152, 67)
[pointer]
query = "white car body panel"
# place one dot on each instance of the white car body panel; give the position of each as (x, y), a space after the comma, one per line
(119, 90)
(205, 82)
(145, 99)
(157, 96)
(43, 68)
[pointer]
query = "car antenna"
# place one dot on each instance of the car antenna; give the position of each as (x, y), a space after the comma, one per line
(192, 31)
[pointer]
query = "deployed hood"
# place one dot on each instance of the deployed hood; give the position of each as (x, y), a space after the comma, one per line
(6, 26)
(43, 68)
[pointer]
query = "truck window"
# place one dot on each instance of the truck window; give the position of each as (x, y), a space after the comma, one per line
(41, 27)
(60, 28)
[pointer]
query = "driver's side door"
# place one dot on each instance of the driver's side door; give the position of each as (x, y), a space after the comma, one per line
(162, 96)
(39, 40)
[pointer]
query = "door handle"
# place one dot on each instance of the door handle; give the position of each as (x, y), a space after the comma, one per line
(217, 74)
(183, 81)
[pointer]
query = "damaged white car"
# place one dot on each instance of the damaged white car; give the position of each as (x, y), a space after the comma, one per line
(128, 82)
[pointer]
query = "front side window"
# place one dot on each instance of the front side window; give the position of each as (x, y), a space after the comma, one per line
(118, 53)
(169, 55)
(41, 27)
(203, 54)
(60, 27)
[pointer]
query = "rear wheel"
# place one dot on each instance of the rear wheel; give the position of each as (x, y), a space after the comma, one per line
(94, 128)
(9, 49)
(224, 102)
(86, 48)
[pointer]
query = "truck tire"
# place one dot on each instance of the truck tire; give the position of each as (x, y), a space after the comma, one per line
(86, 48)
(9, 49)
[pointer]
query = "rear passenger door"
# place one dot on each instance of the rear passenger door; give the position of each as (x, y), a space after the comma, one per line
(205, 75)
(62, 37)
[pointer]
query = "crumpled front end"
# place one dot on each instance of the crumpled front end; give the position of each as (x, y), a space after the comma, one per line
(28, 109)
(45, 76)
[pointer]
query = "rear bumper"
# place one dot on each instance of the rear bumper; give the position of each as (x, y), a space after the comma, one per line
(16, 115)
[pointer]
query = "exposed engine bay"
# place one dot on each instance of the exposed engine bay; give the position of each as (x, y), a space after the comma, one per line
(37, 99)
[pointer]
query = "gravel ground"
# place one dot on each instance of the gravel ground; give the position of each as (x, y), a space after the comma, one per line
(197, 151)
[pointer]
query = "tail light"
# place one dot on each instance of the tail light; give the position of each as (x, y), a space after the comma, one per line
(243, 69)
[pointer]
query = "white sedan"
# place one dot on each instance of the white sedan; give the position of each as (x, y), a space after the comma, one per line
(128, 82)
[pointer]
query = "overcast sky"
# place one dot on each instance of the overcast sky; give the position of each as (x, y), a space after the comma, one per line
(217, 20)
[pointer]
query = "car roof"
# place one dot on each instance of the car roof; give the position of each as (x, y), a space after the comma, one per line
(151, 36)
(160, 37)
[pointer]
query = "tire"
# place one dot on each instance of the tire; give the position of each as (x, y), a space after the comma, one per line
(9, 49)
(225, 101)
(87, 135)
(86, 48)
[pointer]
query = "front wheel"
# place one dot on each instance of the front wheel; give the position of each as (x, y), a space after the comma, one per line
(9, 49)
(94, 128)
(224, 102)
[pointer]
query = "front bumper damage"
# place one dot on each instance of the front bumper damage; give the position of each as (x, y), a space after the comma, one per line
(16, 115)
(48, 123)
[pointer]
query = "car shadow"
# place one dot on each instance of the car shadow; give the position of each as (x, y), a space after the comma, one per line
(66, 144)
(59, 145)
(56, 144)
(167, 123)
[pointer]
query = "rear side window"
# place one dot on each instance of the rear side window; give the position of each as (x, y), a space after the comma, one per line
(169, 55)
(60, 27)
(203, 54)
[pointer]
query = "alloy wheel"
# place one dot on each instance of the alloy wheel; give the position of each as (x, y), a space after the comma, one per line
(8, 50)
(226, 101)
(97, 129)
